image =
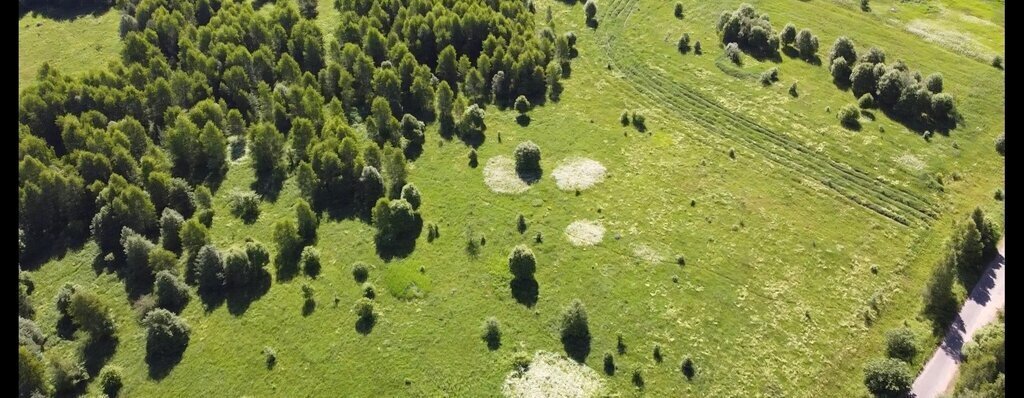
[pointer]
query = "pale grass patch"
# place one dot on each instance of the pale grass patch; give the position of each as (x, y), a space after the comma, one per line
(578, 174)
(955, 40)
(584, 233)
(501, 177)
(552, 375)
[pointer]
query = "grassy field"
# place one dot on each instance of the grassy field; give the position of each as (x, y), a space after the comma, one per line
(72, 43)
(779, 243)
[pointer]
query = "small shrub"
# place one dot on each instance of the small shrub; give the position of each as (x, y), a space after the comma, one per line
(609, 363)
(887, 377)
(696, 48)
(411, 195)
(259, 255)
(143, 305)
(684, 43)
(678, 11)
(369, 291)
(788, 35)
(271, 355)
(934, 83)
(687, 368)
(769, 76)
(806, 43)
(638, 379)
(110, 380)
(624, 118)
(491, 332)
(792, 90)
(522, 105)
(840, 70)
(473, 162)
(866, 101)
(205, 217)
(900, 344)
(527, 156)
(680, 260)
(864, 6)
(92, 314)
(848, 115)
(522, 263)
(245, 205)
(574, 322)
(539, 238)
(732, 52)
(521, 223)
(732, 153)
(209, 268)
(620, 345)
(997, 61)
(363, 308)
(68, 374)
(63, 299)
(657, 353)
(310, 261)
(999, 194)
(1001, 144)
(639, 121)
(590, 8)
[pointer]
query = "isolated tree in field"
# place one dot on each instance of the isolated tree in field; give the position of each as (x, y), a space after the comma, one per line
(997, 61)
(527, 155)
(865, 6)
(522, 263)
(887, 377)
(575, 330)
(678, 10)
(491, 333)
(1001, 144)
(364, 308)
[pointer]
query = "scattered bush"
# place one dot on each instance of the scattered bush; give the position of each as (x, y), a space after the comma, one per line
(863, 79)
(271, 355)
(887, 377)
(934, 83)
(170, 228)
(171, 292)
(473, 162)
(638, 378)
(574, 322)
(900, 344)
(411, 195)
(161, 259)
(749, 30)
(522, 263)
(620, 345)
(788, 35)
(209, 269)
(609, 364)
(840, 71)
(806, 43)
(696, 48)
(491, 332)
(687, 368)
(167, 335)
(624, 118)
(874, 56)
(364, 308)
(1001, 144)
(522, 105)
(792, 90)
(843, 47)
(360, 272)
(521, 223)
(238, 270)
(769, 76)
(639, 121)
(245, 205)
(259, 255)
(657, 353)
(110, 380)
(866, 101)
(678, 10)
(864, 6)
(849, 115)
(590, 8)
(68, 374)
(92, 314)
(288, 240)
(732, 52)
(527, 156)
(310, 261)
(307, 221)
(684, 43)
(369, 291)
(997, 61)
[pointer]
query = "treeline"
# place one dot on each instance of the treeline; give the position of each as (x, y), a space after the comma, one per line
(966, 254)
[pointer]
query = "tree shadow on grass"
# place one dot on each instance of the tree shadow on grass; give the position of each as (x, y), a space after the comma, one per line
(364, 325)
(66, 328)
(161, 364)
(308, 307)
(525, 291)
(268, 185)
(64, 13)
(287, 266)
(530, 177)
(578, 348)
(389, 248)
(852, 126)
(211, 298)
(493, 341)
(412, 151)
(239, 299)
(523, 120)
(97, 352)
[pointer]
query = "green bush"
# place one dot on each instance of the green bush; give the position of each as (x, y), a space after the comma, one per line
(259, 255)
(638, 378)
(639, 121)
(900, 344)
(491, 332)
(788, 35)
(171, 292)
(732, 52)
(167, 335)
(238, 270)
(874, 56)
(411, 195)
(657, 353)
(696, 48)
(806, 43)
(840, 71)
(310, 261)
(843, 47)
(30, 336)
(245, 205)
(527, 155)
(849, 115)
(369, 290)
(522, 263)
(209, 269)
(161, 259)
(360, 272)
(769, 76)
(687, 367)
(110, 380)
(574, 322)
(364, 308)
(590, 8)
(997, 61)
(866, 101)
(684, 43)
(522, 105)
(68, 374)
(624, 118)
(934, 83)
(63, 300)
(678, 10)
(170, 228)
(609, 364)
(863, 79)
(307, 221)
(887, 377)
(89, 312)
(1001, 144)
(31, 374)
(521, 223)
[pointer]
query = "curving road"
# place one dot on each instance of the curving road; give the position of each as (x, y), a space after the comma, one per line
(988, 295)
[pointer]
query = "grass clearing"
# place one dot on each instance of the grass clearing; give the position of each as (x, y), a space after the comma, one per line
(72, 44)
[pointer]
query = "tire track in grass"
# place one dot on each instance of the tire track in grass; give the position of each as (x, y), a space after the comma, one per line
(893, 202)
